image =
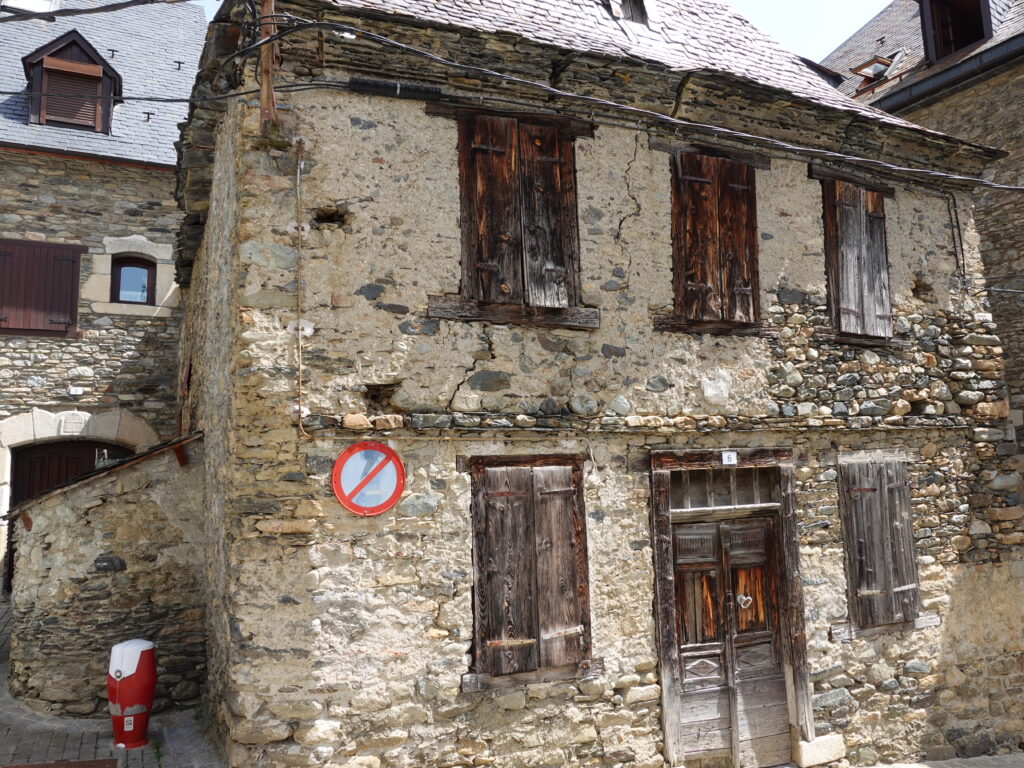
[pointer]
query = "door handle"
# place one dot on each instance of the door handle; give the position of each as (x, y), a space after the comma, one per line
(744, 601)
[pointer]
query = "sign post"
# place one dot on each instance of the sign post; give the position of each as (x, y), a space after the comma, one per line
(368, 478)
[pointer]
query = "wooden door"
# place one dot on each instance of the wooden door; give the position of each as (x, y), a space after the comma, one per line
(41, 467)
(727, 616)
(728, 646)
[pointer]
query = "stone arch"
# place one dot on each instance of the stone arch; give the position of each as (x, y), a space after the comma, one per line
(38, 426)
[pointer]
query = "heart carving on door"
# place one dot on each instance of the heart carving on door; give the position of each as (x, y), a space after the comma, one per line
(744, 601)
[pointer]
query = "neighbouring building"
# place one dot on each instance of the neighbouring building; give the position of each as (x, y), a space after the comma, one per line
(958, 67)
(703, 427)
(89, 307)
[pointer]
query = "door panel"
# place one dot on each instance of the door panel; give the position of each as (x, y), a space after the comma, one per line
(734, 692)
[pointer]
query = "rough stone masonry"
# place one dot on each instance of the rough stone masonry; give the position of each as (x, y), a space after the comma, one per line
(338, 640)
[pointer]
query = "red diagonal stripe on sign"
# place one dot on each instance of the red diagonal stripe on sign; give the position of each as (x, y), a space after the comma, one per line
(366, 480)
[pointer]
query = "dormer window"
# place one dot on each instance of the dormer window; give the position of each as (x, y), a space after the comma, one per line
(71, 85)
(629, 10)
(952, 25)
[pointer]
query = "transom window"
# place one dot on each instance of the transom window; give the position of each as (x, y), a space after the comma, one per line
(133, 281)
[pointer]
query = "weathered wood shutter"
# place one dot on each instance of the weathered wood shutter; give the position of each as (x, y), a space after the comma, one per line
(523, 239)
(715, 239)
(531, 598)
(878, 535)
(561, 567)
(498, 263)
(858, 265)
(38, 286)
(506, 604)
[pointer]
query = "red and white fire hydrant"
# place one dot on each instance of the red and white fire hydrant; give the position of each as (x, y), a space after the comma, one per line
(131, 683)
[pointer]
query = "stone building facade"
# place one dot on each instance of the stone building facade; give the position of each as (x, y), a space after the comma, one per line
(661, 444)
(88, 359)
(969, 89)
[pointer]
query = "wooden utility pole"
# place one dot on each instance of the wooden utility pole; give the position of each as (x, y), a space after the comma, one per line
(268, 61)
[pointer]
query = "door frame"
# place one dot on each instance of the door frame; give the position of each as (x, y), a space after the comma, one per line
(791, 606)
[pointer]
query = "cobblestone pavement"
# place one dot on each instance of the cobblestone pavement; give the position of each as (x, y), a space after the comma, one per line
(28, 737)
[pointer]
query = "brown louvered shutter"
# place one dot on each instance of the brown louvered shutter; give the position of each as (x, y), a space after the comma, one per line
(498, 264)
(38, 286)
(71, 97)
(737, 225)
(505, 601)
(879, 544)
(561, 568)
(546, 257)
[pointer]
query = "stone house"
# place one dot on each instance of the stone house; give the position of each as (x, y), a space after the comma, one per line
(958, 67)
(698, 429)
(89, 307)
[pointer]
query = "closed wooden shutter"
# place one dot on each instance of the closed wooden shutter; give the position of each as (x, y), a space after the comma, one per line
(715, 239)
(38, 286)
(71, 98)
(858, 263)
(519, 197)
(531, 592)
(561, 567)
(879, 543)
(506, 606)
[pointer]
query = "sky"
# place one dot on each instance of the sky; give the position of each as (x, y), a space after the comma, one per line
(811, 28)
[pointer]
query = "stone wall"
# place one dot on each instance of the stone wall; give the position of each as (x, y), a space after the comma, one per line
(348, 636)
(999, 214)
(114, 557)
(127, 355)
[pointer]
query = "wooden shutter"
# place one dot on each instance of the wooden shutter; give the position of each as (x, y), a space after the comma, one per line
(695, 223)
(38, 286)
(71, 97)
(498, 242)
(715, 239)
(546, 263)
(561, 567)
(531, 597)
(857, 258)
(506, 610)
(875, 264)
(737, 226)
(878, 535)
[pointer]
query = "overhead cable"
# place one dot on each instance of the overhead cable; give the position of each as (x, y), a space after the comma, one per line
(63, 12)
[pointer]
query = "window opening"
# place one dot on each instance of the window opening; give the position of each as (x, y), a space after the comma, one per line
(133, 281)
(952, 25)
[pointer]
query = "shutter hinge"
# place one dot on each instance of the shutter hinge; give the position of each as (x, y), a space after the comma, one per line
(870, 592)
(488, 148)
(511, 643)
(897, 485)
(577, 630)
(696, 179)
(748, 291)
(905, 587)
(850, 310)
(863, 490)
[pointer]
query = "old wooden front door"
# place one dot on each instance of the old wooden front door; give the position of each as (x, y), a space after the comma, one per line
(729, 655)
(730, 629)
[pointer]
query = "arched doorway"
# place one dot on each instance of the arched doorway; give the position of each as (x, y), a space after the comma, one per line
(39, 467)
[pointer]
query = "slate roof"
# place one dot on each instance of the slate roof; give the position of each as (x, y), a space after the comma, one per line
(898, 26)
(681, 34)
(148, 40)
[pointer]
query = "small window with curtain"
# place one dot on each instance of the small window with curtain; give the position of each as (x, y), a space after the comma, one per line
(714, 245)
(132, 281)
(878, 535)
(857, 262)
(520, 240)
(531, 593)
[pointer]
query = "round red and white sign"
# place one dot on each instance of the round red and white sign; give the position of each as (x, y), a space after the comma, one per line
(368, 478)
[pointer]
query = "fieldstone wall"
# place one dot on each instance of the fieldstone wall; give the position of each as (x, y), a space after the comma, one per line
(349, 636)
(127, 355)
(112, 558)
(999, 214)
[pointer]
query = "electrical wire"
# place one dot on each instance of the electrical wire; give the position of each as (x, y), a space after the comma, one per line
(644, 114)
(53, 15)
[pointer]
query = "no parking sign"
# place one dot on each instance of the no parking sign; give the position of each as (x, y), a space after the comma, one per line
(368, 478)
